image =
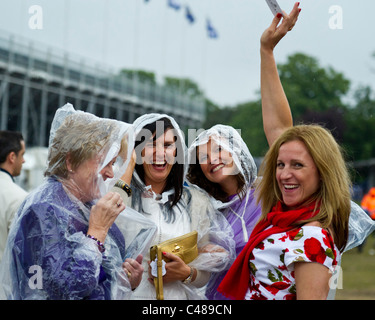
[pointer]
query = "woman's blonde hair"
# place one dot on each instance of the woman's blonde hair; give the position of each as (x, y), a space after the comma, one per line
(334, 191)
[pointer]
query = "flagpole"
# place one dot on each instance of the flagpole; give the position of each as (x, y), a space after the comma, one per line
(105, 32)
(136, 35)
(204, 52)
(164, 41)
(66, 25)
(183, 37)
(135, 50)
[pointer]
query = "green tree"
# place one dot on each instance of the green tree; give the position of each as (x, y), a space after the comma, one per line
(185, 86)
(246, 117)
(360, 126)
(314, 93)
(310, 87)
(142, 75)
(218, 115)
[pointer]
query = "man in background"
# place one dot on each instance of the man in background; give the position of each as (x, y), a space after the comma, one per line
(12, 150)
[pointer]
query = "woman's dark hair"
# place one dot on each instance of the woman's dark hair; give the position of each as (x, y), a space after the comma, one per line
(196, 176)
(175, 178)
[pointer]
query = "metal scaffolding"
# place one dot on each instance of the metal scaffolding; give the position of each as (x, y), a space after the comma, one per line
(35, 80)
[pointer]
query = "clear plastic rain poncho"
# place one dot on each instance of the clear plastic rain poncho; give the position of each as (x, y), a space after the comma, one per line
(192, 212)
(360, 226)
(229, 139)
(48, 255)
(241, 211)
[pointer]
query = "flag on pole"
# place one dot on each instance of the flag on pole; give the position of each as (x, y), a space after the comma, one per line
(175, 4)
(211, 31)
(189, 15)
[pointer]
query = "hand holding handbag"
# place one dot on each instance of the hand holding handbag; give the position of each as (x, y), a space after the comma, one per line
(184, 246)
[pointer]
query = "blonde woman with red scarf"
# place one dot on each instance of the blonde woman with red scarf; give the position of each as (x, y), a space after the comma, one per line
(304, 192)
(305, 198)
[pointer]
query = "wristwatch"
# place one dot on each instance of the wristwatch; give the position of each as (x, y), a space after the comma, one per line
(122, 185)
(190, 276)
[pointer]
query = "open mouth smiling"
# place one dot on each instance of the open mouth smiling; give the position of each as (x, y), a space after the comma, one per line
(217, 168)
(291, 186)
(159, 164)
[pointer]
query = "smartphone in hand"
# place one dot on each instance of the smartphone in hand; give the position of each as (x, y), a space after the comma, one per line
(274, 6)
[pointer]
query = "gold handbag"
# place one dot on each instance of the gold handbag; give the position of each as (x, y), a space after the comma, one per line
(184, 246)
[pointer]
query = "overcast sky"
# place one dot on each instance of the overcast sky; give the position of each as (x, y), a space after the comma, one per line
(152, 36)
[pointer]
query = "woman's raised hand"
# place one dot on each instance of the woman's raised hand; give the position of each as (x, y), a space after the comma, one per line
(275, 32)
(103, 214)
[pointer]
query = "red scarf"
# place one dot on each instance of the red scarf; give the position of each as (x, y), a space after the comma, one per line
(236, 281)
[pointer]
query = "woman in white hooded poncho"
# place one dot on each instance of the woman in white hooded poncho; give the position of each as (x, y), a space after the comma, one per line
(221, 164)
(159, 194)
(63, 243)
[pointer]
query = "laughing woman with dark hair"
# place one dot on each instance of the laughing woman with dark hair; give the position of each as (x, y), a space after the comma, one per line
(159, 194)
(173, 164)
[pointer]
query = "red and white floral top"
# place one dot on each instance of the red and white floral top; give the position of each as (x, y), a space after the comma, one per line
(272, 261)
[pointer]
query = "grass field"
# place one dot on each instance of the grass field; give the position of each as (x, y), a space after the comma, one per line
(358, 273)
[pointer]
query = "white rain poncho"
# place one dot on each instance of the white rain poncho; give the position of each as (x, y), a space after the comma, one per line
(192, 212)
(229, 139)
(48, 255)
(242, 212)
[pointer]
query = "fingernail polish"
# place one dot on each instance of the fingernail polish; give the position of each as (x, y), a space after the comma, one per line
(164, 253)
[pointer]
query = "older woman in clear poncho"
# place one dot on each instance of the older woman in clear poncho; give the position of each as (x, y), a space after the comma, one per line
(159, 194)
(64, 243)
